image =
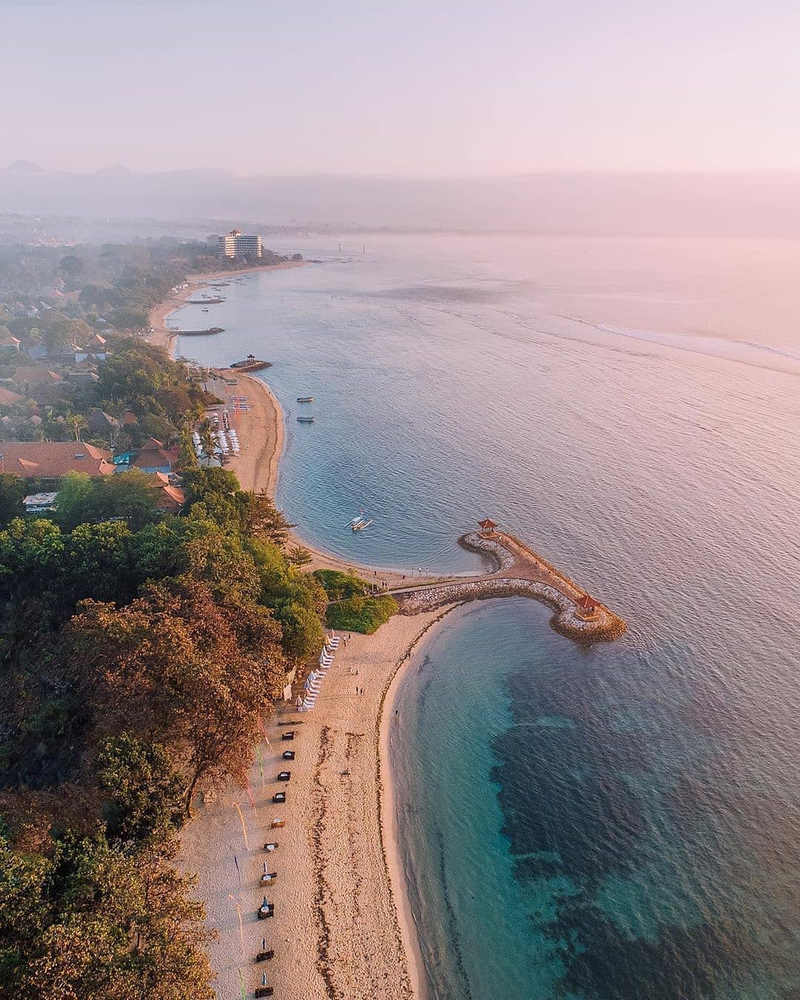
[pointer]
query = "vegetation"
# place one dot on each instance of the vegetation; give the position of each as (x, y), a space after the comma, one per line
(340, 586)
(361, 614)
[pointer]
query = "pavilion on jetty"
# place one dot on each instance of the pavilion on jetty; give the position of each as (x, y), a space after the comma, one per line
(518, 572)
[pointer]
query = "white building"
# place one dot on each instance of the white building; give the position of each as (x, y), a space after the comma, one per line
(237, 244)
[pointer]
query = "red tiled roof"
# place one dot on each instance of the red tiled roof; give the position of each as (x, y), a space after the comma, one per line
(33, 375)
(53, 459)
(150, 458)
(7, 397)
(170, 498)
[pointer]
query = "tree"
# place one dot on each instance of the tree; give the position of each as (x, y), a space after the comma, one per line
(72, 499)
(263, 519)
(129, 496)
(299, 556)
(145, 793)
(12, 490)
(303, 634)
(177, 667)
(71, 265)
(92, 923)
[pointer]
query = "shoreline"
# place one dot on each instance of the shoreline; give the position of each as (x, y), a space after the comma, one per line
(161, 335)
(328, 869)
(387, 814)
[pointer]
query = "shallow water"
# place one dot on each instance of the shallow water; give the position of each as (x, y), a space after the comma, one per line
(622, 821)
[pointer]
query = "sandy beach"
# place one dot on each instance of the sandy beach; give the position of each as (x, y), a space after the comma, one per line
(336, 930)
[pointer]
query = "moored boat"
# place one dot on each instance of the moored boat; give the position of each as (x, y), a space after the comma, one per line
(305, 420)
(305, 399)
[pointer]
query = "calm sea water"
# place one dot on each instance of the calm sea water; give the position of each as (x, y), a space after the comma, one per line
(621, 821)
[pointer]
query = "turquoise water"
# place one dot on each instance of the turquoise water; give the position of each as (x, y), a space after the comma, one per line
(619, 821)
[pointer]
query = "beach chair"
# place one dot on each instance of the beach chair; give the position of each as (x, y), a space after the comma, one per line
(263, 990)
(284, 775)
(265, 954)
(277, 823)
(289, 735)
(271, 845)
(265, 910)
(288, 755)
(279, 797)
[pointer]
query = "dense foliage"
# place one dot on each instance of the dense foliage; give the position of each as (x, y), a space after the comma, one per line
(361, 614)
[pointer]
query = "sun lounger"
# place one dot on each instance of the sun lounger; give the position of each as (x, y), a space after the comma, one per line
(265, 954)
(288, 755)
(265, 910)
(273, 844)
(289, 735)
(279, 797)
(284, 775)
(276, 823)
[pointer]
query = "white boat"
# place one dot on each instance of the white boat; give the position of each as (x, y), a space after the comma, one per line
(361, 525)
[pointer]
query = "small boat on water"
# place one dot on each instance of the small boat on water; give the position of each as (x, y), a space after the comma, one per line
(199, 333)
(206, 300)
(305, 420)
(305, 399)
(359, 523)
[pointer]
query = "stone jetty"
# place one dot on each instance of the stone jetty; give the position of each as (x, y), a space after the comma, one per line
(518, 572)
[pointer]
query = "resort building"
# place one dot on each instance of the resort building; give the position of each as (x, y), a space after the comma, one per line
(50, 461)
(238, 244)
(154, 457)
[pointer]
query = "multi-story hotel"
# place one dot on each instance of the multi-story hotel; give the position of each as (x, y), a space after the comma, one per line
(237, 244)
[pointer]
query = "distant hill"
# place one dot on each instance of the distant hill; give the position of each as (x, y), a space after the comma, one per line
(747, 204)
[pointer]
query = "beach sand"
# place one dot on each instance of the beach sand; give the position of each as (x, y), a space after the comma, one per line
(335, 932)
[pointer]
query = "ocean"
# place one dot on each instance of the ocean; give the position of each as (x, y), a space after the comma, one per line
(618, 821)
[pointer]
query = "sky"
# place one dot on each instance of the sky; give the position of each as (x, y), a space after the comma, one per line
(400, 89)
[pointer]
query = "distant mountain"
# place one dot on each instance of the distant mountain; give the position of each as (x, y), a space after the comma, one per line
(24, 167)
(115, 170)
(746, 204)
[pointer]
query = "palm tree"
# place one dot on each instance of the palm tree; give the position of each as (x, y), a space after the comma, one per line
(206, 433)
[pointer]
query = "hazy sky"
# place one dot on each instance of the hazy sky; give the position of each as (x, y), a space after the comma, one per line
(401, 88)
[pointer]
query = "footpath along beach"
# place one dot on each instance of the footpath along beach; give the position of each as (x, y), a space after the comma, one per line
(341, 927)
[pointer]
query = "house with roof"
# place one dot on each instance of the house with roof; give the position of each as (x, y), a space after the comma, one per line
(8, 397)
(171, 498)
(32, 378)
(50, 461)
(154, 457)
(100, 422)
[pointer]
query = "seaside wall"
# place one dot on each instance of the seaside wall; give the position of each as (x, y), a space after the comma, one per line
(514, 576)
(566, 620)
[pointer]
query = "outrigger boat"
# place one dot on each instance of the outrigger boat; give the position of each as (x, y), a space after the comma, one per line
(305, 420)
(305, 399)
(359, 523)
